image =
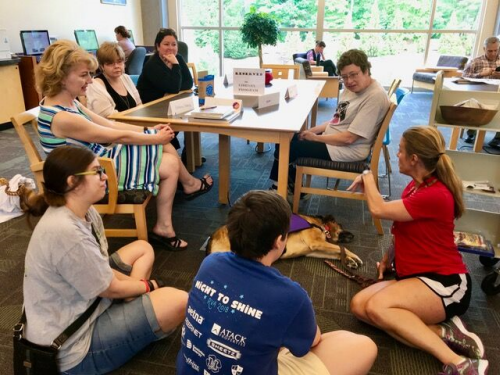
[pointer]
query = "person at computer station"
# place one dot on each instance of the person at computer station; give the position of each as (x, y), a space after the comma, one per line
(64, 74)
(316, 57)
(123, 39)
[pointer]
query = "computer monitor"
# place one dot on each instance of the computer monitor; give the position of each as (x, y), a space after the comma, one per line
(34, 42)
(87, 39)
(131, 36)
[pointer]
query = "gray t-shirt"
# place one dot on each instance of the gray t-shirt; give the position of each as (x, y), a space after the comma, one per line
(361, 114)
(65, 270)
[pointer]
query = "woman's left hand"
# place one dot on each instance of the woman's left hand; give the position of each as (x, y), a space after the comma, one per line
(307, 135)
(357, 184)
(161, 126)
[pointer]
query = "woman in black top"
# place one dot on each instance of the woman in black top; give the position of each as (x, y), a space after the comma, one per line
(166, 71)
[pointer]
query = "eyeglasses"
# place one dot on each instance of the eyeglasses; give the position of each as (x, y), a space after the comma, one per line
(117, 62)
(349, 76)
(100, 171)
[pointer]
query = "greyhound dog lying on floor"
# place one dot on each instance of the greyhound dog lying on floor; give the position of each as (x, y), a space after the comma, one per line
(311, 236)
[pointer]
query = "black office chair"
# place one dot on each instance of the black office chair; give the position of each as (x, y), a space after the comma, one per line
(135, 62)
(183, 50)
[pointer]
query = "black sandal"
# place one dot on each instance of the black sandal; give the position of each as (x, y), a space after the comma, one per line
(204, 188)
(171, 243)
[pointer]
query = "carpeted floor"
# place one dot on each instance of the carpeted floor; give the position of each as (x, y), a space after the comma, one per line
(195, 220)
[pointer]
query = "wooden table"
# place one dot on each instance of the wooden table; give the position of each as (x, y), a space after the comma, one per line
(275, 124)
(492, 86)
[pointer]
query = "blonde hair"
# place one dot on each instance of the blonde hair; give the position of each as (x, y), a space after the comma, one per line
(109, 52)
(428, 144)
(56, 63)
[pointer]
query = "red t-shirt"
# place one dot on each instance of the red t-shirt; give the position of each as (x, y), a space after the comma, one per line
(426, 244)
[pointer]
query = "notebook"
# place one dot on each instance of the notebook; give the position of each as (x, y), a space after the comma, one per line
(217, 112)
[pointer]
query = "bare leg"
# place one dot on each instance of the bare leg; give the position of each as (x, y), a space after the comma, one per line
(336, 346)
(169, 173)
(188, 181)
(169, 305)
(405, 309)
(140, 255)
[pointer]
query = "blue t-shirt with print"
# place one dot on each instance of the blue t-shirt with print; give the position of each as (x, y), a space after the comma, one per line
(240, 313)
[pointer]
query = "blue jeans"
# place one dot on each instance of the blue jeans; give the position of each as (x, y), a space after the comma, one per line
(119, 333)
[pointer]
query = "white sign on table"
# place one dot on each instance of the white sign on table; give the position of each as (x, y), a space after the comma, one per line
(249, 81)
(178, 107)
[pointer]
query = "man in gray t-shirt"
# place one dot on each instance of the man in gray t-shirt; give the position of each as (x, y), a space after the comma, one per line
(349, 135)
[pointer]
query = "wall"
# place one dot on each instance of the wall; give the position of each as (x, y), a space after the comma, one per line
(61, 17)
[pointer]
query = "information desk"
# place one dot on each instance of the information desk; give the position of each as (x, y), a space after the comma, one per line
(272, 125)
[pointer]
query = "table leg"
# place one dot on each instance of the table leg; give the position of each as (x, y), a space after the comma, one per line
(224, 168)
(197, 148)
(188, 137)
(454, 138)
(314, 113)
(284, 158)
(478, 145)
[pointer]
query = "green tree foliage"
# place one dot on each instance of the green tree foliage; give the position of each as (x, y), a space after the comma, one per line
(259, 29)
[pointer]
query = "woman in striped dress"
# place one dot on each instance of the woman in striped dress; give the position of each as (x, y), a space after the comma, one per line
(144, 158)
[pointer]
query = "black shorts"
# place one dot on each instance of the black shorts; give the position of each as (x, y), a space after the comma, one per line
(454, 290)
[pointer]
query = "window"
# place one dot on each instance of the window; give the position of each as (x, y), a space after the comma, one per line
(397, 35)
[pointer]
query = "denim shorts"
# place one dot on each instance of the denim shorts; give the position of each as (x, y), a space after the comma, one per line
(119, 333)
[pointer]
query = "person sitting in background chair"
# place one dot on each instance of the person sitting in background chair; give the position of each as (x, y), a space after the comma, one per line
(432, 287)
(123, 38)
(112, 90)
(67, 267)
(349, 135)
(485, 66)
(64, 74)
(316, 57)
(165, 72)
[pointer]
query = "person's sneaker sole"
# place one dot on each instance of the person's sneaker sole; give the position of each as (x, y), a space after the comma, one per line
(463, 330)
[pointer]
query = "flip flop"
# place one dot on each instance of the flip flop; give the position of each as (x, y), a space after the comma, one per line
(204, 188)
(170, 243)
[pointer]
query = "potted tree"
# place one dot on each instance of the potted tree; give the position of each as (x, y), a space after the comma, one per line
(259, 29)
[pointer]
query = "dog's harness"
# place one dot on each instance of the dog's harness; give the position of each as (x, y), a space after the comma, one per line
(298, 223)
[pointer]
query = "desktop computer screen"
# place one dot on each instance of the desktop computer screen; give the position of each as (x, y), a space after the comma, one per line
(34, 42)
(131, 36)
(87, 39)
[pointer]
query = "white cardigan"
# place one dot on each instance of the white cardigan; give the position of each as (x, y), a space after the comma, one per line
(100, 102)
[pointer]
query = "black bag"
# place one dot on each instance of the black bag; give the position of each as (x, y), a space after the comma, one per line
(33, 359)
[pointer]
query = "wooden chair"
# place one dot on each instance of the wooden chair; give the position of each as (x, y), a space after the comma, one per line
(110, 203)
(192, 66)
(341, 170)
(283, 71)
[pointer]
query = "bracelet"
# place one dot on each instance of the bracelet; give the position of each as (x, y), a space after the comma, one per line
(366, 171)
(148, 289)
(151, 285)
(145, 129)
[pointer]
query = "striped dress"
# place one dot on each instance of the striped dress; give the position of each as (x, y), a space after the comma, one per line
(136, 166)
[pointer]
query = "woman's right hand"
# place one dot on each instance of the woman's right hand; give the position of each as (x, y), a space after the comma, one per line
(357, 184)
(384, 265)
(165, 135)
(170, 59)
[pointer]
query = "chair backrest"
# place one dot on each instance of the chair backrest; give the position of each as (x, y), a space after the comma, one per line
(394, 86)
(192, 66)
(283, 71)
(400, 94)
(379, 141)
(452, 61)
(135, 61)
(299, 55)
(36, 162)
(134, 78)
(182, 49)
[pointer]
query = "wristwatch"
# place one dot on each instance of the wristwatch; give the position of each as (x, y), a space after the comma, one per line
(366, 171)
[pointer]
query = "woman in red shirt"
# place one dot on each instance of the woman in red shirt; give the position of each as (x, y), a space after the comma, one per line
(420, 307)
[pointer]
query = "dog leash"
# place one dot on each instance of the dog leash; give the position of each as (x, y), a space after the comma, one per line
(361, 280)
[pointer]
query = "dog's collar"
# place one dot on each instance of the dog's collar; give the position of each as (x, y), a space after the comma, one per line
(326, 230)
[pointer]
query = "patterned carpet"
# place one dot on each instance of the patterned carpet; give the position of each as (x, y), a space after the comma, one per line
(195, 220)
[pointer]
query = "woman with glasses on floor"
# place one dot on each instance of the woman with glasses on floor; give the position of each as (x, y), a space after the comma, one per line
(144, 157)
(349, 135)
(432, 288)
(67, 267)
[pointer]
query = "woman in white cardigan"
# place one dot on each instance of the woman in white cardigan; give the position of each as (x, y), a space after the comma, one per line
(112, 90)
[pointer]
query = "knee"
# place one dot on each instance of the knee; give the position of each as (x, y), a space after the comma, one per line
(374, 312)
(170, 163)
(368, 347)
(357, 306)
